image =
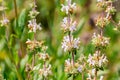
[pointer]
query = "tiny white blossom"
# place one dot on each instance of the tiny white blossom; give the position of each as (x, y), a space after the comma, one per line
(69, 7)
(43, 56)
(4, 22)
(89, 77)
(46, 71)
(68, 26)
(69, 43)
(99, 40)
(33, 13)
(80, 68)
(33, 26)
(100, 0)
(97, 60)
(101, 77)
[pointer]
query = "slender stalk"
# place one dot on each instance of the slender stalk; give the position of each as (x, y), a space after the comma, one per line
(72, 59)
(15, 5)
(82, 75)
(95, 78)
(33, 61)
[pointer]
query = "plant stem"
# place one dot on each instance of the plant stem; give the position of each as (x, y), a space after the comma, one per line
(83, 76)
(15, 5)
(72, 58)
(33, 61)
(95, 78)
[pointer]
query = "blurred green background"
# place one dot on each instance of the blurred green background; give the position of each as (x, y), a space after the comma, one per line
(13, 52)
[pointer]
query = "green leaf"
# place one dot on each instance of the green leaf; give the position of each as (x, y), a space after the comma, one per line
(19, 24)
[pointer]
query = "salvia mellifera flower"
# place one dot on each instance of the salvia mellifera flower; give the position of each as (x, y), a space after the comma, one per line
(72, 69)
(43, 56)
(33, 26)
(5, 21)
(97, 60)
(110, 10)
(45, 71)
(101, 3)
(102, 22)
(33, 13)
(99, 40)
(32, 45)
(68, 8)
(69, 44)
(71, 26)
(3, 8)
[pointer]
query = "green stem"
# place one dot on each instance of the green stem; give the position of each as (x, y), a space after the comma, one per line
(15, 5)
(83, 76)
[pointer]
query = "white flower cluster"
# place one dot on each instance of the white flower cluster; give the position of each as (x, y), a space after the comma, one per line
(33, 26)
(70, 68)
(71, 26)
(43, 56)
(68, 8)
(70, 43)
(100, 0)
(97, 60)
(46, 71)
(4, 22)
(99, 40)
(33, 13)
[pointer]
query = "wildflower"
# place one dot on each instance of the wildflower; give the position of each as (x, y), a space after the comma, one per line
(33, 44)
(71, 69)
(33, 13)
(102, 22)
(80, 68)
(46, 71)
(4, 22)
(97, 60)
(68, 8)
(100, 41)
(69, 43)
(110, 10)
(89, 77)
(33, 26)
(100, 0)
(68, 26)
(101, 77)
(44, 48)
(2, 8)
(43, 56)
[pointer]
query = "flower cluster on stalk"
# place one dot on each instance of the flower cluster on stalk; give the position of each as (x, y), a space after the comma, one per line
(69, 43)
(37, 48)
(5, 21)
(98, 60)
(99, 40)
